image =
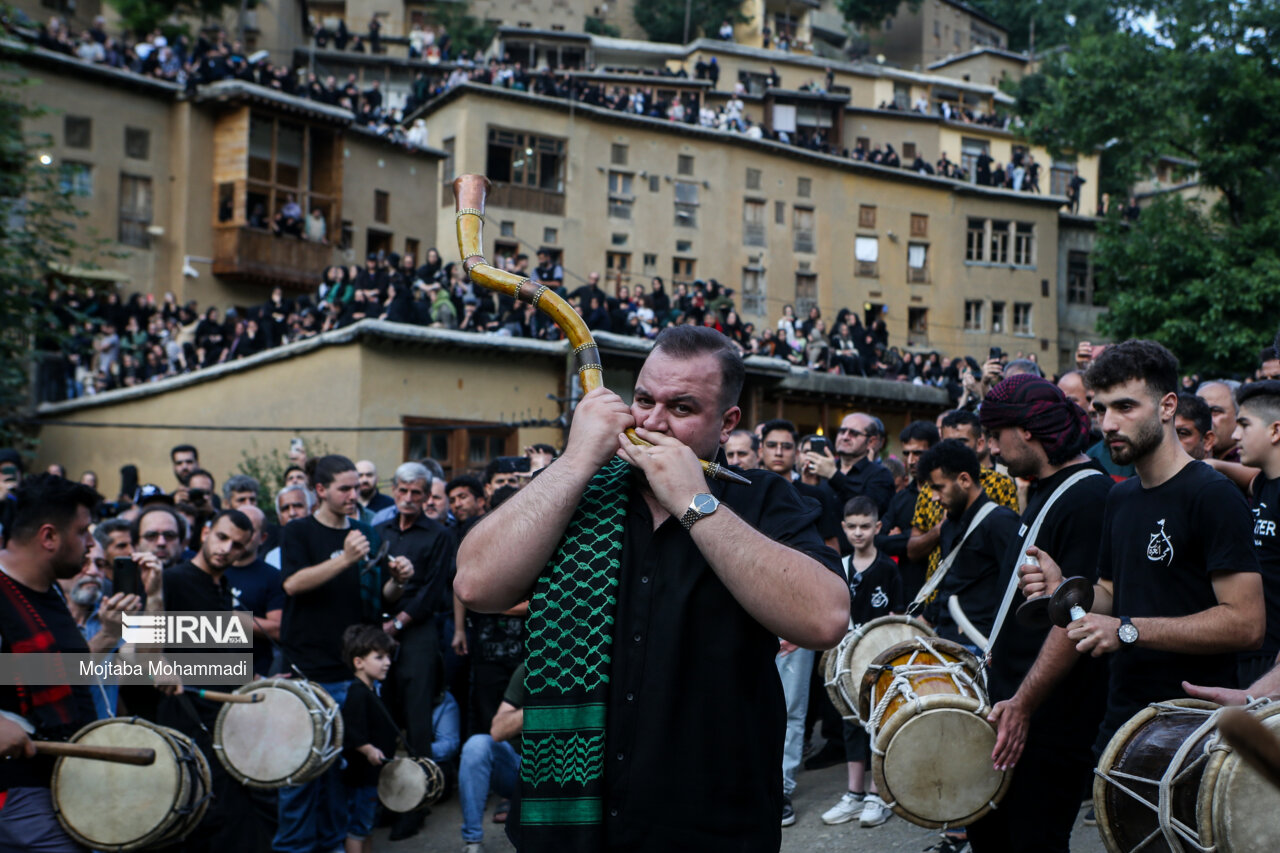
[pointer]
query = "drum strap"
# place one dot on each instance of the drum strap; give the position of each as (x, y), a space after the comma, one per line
(941, 572)
(1027, 542)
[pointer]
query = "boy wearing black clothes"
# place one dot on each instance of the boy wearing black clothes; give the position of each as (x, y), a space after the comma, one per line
(369, 737)
(875, 590)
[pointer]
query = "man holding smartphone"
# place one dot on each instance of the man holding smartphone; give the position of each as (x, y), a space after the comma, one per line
(854, 474)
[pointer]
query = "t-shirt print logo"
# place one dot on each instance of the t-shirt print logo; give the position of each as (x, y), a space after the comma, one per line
(879, 599)
(1262, 527)
(1160, 547)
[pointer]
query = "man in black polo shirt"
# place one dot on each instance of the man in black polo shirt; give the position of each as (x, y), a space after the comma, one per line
(430, 548)
(709, 575)
(1047, 731)
(851, 472)
(974, 539)
(48, 535)
(1176, 565)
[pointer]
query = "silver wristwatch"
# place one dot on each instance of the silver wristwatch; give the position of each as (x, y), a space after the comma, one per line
(1127, 632)
(703, 504)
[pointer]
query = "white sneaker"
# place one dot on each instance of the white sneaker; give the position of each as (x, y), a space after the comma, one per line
(847, 809)
(874, 811)
(473, 847)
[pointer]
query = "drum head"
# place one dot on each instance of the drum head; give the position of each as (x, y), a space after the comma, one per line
(112, 804)
(402, 785)
(268, 741)
(936, 766)
(1243, 805)
(874, 637)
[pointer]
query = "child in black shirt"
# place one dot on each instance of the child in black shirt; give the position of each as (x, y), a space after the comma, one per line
(369, 738)
(875, 590)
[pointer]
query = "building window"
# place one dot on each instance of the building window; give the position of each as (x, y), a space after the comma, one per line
(780, 212)
(77, 132)
(687, 204)
(75, 179)
(908, 152)
(997, 317)
(346, 236)
(917, 326)
(619, 266)
(447, 167)
(135, 211)
(919, 225)
(999, 241)
(1024, 244)
(137, 143)
(973, 315)
(618, 155)
(970, 150)
(550, 236)
(806, 293)
(975, 238)
(1022, 318)
(866, 216)
(753, 179)
(753, 223)
(866, 254)
(918, 263)
(804, 187)
(619, 238)
(650, 264)
(1079, 281)
(525, 159)
(684, 164)
(684, 246)
(381, 206)
(289, 161)
(753, 291)
(802, 229)
(655, 183)
(459, 448)
(1060, 176)
(411, 246)
(507, 227)
(683, 270)
(621, 195)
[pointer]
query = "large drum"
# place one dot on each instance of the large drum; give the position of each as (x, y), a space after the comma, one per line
(844, 666)
(116, 807)
(925, 708)
(1168, 781)
(405, 784)
(289, 738)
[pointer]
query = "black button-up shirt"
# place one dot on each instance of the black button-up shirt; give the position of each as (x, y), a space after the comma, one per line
(432, 549)
(696, 714)
(865, 478)
(974, 576)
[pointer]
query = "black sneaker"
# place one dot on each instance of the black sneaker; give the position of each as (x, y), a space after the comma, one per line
(949, 844)
(1090, 819)
(788, 813)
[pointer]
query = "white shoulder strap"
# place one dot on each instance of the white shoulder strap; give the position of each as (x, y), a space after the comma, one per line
(941, 572)
(1027, 542)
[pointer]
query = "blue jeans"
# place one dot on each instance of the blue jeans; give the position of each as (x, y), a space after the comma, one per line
(314, 816)
(794, 670)
(486, 764)
(28, 825)
(362, 811)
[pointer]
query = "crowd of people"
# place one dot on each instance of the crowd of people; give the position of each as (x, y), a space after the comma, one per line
(457, 690)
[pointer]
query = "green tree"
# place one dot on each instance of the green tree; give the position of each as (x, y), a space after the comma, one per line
(1055, 22)
(663, 20)
(466, 34)
(871, 13)
(144, 16)
(1195, 79)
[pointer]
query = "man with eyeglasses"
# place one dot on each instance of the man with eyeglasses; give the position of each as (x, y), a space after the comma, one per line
(851, 473)
(158, 530)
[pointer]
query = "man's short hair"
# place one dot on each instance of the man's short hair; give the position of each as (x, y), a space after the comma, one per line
(328, 467)
(920, 431)
(1268, 354)
(308, 495)
(46, 499)
(780, 424)
(894, 466)
(952, 457)
(184, 448)
(1146, 361)
(686, 342)
(751, 436)
(103, 530)
(471, 484)
(436, 469)
(861, 505)
(412, 472)
(1196, 410)
(238, 518)
(962, 418)
(1023, 365)
(200, 472)
(543, 448)
(1263, 397)
(238, 483)
(291, 469)
(360, 640)
(135, 528)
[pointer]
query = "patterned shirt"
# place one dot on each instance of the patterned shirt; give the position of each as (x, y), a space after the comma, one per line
(999, 488)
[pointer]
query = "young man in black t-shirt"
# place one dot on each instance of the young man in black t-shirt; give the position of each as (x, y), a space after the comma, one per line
(1176, 566)
(875, 590)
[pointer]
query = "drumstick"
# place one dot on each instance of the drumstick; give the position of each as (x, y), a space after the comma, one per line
(1257, 744)
(117, 754)
(230, 698)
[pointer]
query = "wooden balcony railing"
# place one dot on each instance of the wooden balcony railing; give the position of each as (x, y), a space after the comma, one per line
(249, 254)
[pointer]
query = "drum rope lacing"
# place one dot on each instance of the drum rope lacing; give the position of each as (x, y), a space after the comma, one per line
(901, 685)
(841, 670)
(1169, 826)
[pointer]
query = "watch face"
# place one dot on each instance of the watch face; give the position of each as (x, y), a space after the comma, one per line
(705, 503)
(1128, 633)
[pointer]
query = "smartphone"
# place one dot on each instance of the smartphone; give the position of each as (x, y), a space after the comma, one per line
(819, 444)
(995, 354)
(125, 576)
(295, 445)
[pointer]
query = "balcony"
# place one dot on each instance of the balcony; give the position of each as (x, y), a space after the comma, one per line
(251, 255)
(530, 199)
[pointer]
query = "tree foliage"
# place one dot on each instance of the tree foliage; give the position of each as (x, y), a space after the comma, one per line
(1056, 22)
(467, 34)
(871, 13)
(663, 20)
(1193, 79)
(144, 16)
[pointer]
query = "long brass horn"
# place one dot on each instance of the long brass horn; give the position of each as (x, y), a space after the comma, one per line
(469, 193)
